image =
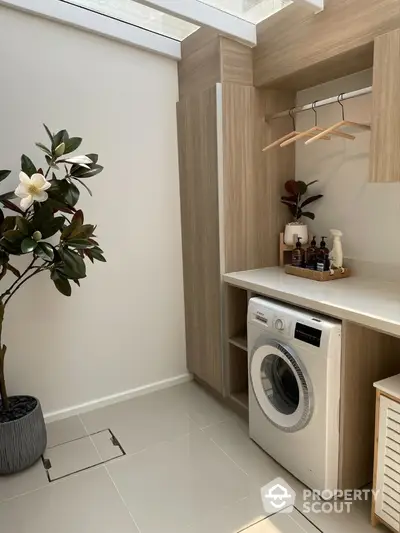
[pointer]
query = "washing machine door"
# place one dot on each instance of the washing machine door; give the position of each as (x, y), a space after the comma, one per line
(281, 385)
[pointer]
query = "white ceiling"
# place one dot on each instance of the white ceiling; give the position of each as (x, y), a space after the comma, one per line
(151, 19)
(160, 25)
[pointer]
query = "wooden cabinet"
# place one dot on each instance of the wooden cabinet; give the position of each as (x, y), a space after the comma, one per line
(386, 502)
(385, 135)
(198, 162)
(230, 205)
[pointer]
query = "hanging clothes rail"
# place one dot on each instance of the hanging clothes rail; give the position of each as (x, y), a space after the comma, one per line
(320, 103)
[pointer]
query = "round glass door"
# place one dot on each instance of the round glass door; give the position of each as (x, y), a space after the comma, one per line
(281, 386)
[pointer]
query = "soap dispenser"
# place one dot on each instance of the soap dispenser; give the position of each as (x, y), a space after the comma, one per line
(298, 254)
(323, 257)
(311, 259)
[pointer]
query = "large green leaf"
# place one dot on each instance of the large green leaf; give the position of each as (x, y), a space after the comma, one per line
(27, 166)
(4, 257)
(82, 172)
(61, 283)
(56, 205)
(311, 199)
(96, 254)
(64, 191)
(60, 137)
(79, 244)
(73, 265)
(24, 226)
(28, 245)
(4, 174)
(7, 224)
(48, 133)
(93, 157)
(13, 235)
(72, 144)
(83, 185)
(11, 206)
(59, 150)
(45, 251)
(11, 247)
(52, 227)
(7, 196)
(72, 195)
(83, 232)
(43, 217)
(301, 187)
(44, 148)
(307, 214)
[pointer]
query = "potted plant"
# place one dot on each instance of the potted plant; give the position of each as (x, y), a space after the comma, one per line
(47, 228)
(296, 204)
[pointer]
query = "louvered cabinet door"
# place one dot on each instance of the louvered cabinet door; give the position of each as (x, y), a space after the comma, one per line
(387, 503)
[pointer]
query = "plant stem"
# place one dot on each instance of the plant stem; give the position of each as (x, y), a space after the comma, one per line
(9, 290)
(3, 391)
(37, 271)
(3, 349)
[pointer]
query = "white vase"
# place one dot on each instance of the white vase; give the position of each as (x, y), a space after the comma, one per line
(292, 229)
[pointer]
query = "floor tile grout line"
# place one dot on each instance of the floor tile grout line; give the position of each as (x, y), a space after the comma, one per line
(122, 499)
(91, 440)
(228, 456)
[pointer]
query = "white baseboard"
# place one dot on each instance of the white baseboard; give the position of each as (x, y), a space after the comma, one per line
(115, 398)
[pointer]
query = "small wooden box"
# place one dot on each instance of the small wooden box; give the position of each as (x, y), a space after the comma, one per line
(315, 275)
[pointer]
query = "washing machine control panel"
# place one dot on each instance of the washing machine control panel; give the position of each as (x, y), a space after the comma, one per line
(272, 321)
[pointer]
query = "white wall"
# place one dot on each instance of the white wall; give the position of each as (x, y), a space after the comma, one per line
(125, 327)
(367, 213)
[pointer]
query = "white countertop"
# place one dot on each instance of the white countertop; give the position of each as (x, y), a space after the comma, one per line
(368, 302)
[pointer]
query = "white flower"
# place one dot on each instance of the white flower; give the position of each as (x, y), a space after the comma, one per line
(32, 189)
(82, 160)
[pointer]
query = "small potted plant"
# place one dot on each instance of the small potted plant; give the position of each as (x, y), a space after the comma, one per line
(296, 204)
(47, 228)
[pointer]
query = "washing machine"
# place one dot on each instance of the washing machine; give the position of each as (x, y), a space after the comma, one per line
(294, 389)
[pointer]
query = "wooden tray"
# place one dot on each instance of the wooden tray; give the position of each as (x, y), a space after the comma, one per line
(315, 275)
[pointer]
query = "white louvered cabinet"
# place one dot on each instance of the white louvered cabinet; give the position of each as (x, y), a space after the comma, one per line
(386, 503)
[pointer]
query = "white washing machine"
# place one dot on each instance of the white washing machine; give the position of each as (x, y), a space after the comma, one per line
(294, 389)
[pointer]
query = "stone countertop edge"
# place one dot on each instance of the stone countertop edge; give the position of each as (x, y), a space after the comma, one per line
(368, 302)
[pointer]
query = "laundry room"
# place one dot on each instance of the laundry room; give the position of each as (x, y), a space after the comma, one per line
(200, 316)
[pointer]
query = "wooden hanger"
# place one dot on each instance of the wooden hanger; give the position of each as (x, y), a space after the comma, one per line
(332, 130)
(319, 130)
(283, 140)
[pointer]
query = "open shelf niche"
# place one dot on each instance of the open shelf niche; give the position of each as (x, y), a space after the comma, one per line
(236, 348)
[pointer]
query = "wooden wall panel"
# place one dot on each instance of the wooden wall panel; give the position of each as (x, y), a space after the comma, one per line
(238, 171)
(295, 43)
(385, 135)
(367, 356)
(273, 169)
(197, 127)
(253, 180)
(201, 69)
(209, 58)
(236, 62)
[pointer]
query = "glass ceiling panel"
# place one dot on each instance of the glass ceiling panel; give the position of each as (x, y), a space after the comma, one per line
(142, 16)
(252, 10)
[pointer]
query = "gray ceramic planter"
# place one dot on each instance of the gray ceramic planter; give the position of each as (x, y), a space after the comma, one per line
(22, 441)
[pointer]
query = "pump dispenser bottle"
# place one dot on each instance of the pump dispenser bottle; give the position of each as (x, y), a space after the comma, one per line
(323, 257)
(298, 254)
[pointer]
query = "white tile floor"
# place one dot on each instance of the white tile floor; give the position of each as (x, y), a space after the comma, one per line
(189, 467)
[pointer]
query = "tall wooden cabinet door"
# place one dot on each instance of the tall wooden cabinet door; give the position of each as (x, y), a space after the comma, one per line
(198, 162)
